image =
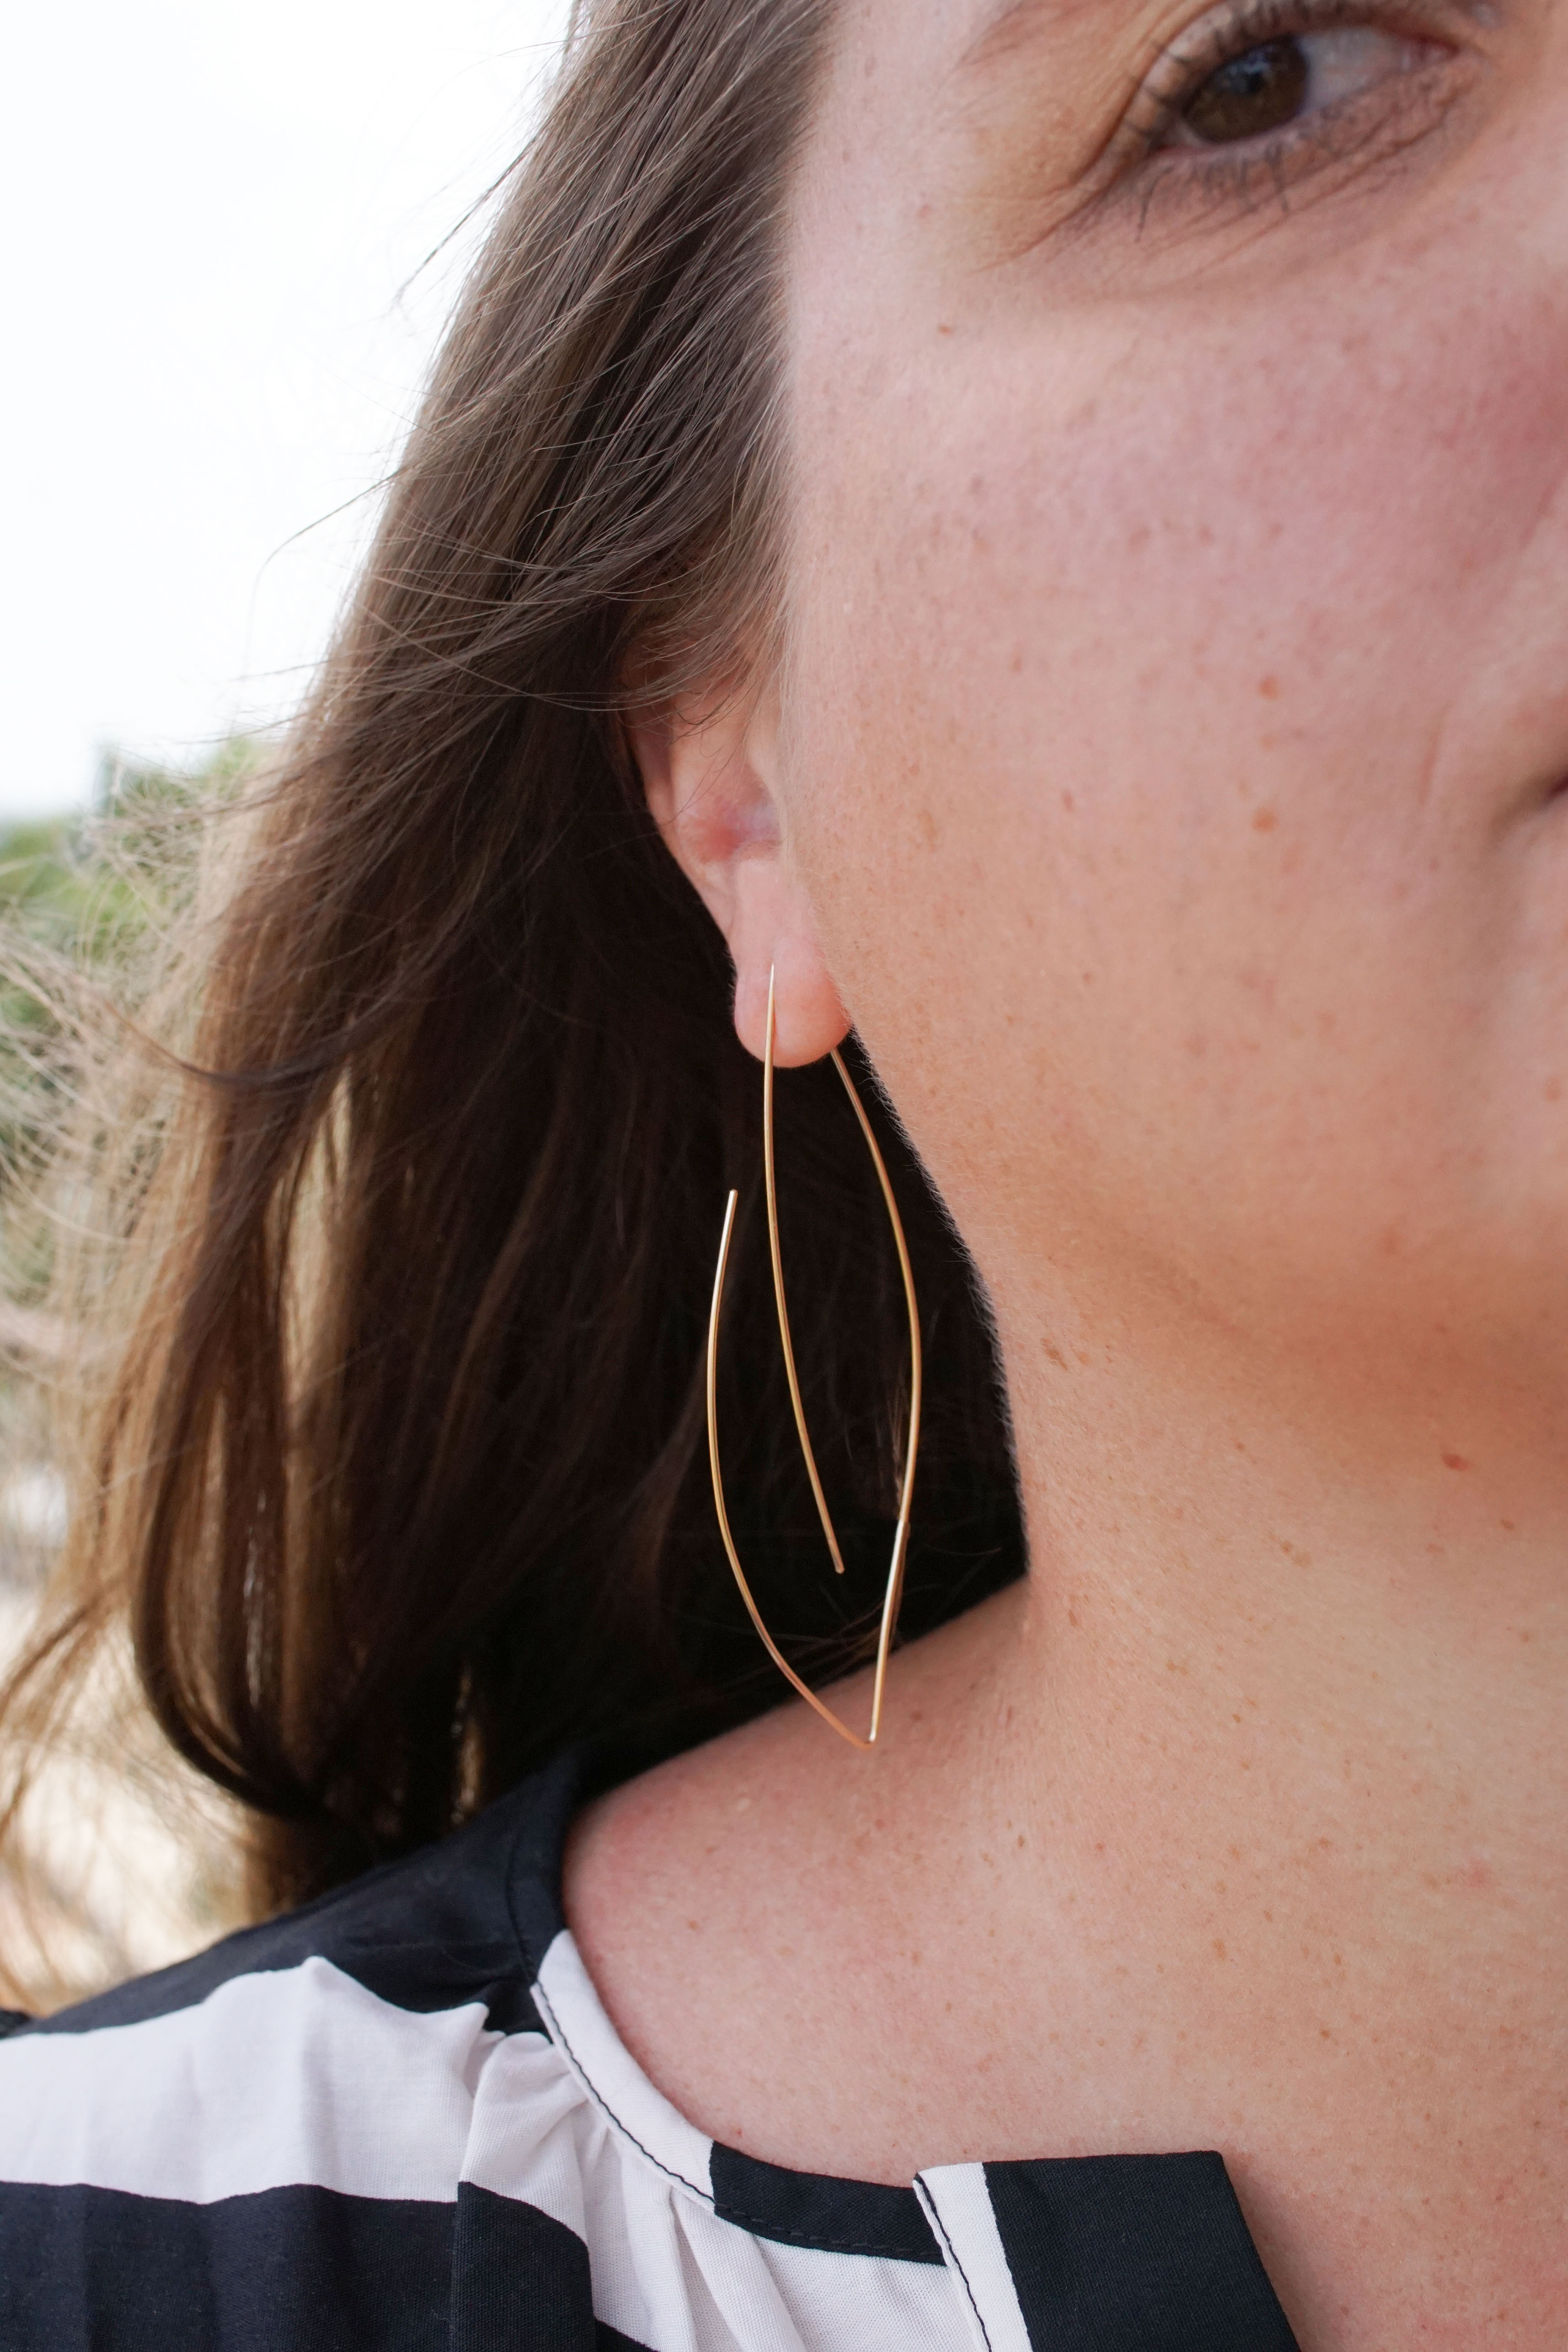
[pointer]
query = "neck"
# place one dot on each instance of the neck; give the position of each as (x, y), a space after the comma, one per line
(1290, 1690)
(1333, 1600)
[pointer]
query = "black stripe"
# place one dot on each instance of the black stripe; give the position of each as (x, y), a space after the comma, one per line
(294, 2270)
(1134, 2254)
(290, 2270)
(542, 1817)
(520, 2277)
(810, 2209)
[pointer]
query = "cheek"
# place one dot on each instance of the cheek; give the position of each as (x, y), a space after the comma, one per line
(1156, 658)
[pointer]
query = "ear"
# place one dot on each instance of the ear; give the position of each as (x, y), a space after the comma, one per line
(710, 772)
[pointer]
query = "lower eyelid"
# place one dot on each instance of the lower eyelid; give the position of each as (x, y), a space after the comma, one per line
(1376, 122)
(1146, 170)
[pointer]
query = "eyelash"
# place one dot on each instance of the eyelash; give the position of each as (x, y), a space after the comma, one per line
(1181, 73)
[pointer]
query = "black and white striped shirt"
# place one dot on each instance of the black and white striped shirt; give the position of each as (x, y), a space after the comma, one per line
(398, 2120)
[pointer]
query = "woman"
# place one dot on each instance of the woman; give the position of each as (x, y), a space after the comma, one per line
(1037, 531)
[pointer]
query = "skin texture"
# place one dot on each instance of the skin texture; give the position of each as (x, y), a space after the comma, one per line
(1163, 775)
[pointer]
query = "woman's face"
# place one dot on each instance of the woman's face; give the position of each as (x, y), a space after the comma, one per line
(1176, 718)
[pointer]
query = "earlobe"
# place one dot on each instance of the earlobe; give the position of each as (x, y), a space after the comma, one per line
(710, 774)
(809, 1018)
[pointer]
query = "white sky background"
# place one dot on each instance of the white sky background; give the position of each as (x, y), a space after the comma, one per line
(213, 213)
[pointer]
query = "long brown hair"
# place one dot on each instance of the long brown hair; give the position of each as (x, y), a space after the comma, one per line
(398, 1478)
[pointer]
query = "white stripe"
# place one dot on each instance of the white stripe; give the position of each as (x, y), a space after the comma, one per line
(835, 2301)
(566, 2000)
(959, 2205)
(290, 2076)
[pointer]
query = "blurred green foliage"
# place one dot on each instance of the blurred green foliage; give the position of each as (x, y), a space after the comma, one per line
(83, 897)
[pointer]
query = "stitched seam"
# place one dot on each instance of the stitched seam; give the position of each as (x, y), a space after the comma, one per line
(819, 2243)
(558, 2033)
(731, 2213)
(935, 2218)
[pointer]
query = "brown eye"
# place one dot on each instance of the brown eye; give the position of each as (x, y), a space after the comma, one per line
(1255, 93)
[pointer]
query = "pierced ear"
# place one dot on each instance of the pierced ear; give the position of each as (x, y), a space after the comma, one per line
(710, 772)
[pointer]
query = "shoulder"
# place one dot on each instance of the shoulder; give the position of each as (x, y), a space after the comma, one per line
(779, 1889)
(714, 1899)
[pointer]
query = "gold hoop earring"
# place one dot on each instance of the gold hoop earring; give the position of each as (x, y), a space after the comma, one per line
(901, 1534)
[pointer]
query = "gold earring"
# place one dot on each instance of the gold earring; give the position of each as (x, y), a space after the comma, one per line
(901, 1534)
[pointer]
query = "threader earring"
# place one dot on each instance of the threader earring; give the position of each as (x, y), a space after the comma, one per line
(901, 1534)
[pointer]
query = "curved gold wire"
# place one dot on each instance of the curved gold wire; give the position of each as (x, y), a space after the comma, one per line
(900, 1533)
